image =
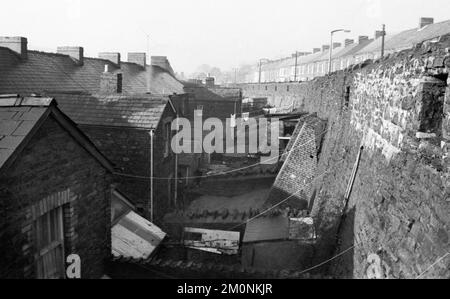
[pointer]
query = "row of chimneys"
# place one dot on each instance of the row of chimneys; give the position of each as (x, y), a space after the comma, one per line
(19, 45)
(361, 39)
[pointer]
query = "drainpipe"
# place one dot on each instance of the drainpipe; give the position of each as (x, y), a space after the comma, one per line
(152, 133)
(348, 192)
(176, 173)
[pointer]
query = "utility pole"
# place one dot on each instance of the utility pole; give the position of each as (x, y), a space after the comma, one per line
(383, 33)
(331, 47)
(146, 62)
(259, 78)
(295, 69)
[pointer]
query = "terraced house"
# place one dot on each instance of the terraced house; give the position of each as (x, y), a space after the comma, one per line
(124, 107)
(304, 66)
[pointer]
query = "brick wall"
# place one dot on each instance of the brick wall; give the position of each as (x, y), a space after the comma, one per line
(218, 103)
(399, 207)
(297, 172)
(54, 170)
(129, 150)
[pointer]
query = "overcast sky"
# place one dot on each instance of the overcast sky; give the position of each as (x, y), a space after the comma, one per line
(222, 33)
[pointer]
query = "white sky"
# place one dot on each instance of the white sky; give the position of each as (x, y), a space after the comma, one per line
(222, 33)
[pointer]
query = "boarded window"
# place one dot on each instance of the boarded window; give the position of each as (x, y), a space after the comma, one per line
(50, 245)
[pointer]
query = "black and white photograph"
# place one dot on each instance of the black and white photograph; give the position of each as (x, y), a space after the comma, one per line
(224, 146)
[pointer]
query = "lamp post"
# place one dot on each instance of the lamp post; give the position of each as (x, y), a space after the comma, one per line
(331, 46)
(295, 69)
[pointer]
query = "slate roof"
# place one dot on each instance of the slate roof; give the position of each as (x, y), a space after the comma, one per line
(137, 111)
(20, 117)
(408, 38)
(203, 93)
(394, 42)
(43, 71)
(317, 124)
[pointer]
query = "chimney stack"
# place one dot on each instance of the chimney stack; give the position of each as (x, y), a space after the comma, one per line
(336, 45)
(362, 38)
(114, 57)
(209, 81)
(110, 83)
(162, 62)
(17, 44)
(325, 48)
(76, 53)
(425, 21)
(348, 42)
(378, 34)
(315, 50)
(137, 58)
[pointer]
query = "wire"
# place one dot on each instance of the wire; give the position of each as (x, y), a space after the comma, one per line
(281, 202)
(220, 173)
(327, 261)
(434, 264)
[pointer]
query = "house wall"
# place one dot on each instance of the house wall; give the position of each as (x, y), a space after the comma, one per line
(216, 102)
(399, 207)
(53, 169)
(129, 150)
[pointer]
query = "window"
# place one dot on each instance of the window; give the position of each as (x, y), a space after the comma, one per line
(50, 245)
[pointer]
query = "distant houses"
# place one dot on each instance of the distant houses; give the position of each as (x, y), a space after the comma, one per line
(304, 66)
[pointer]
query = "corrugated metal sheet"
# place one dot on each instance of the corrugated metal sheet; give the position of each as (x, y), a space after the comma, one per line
(279, 228)
(267, 229)
(134, 236)
(216, 241)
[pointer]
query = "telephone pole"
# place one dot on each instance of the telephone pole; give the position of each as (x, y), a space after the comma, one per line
(295, 69)
(383, 33)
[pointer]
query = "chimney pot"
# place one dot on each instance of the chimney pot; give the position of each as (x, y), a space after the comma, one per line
(425, 21)
(17, 44)
(114, 57)
(137, 58)
(76, 53)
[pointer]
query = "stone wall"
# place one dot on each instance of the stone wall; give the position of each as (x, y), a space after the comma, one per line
(397, 217)
(54, 170)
